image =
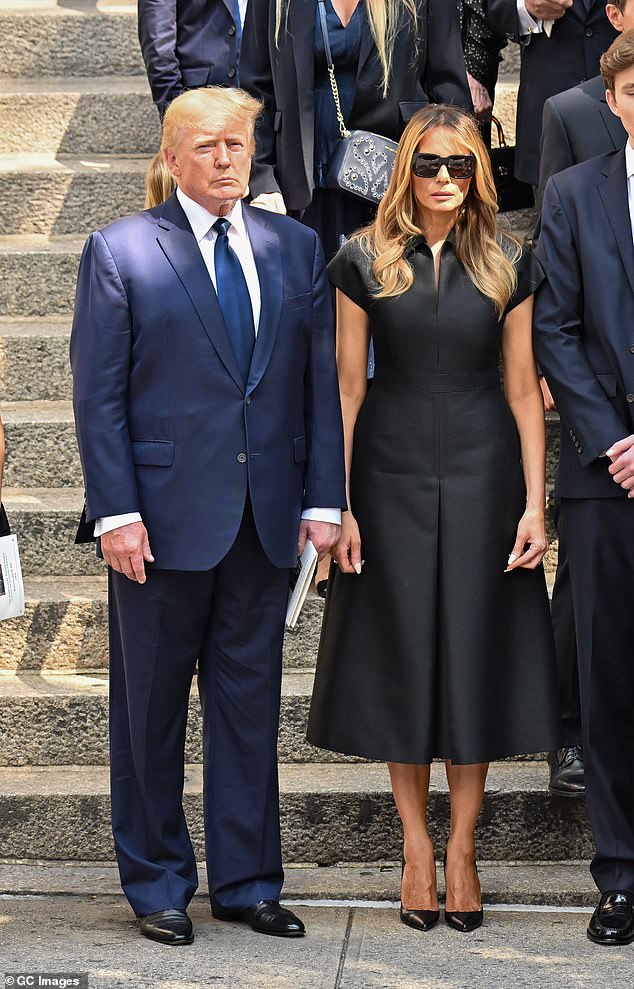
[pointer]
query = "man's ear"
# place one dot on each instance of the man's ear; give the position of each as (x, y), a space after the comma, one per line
(611, 101)
(171, 161)
(614, 16)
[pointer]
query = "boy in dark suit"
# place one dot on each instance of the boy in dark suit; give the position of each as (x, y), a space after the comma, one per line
(584, 342)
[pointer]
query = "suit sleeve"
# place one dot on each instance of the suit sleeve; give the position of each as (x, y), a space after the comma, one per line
(504, 19)
(157, 36)
(100, 351)
(558, 336)
(555, 152)
(325, 481)
(444, 76)
(256, 76)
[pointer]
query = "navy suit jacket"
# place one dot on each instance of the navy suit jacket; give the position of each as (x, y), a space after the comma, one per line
(164, 423)
(428, 67)
(550, 65)
(584, 318)
(577, 125)
(186, 44)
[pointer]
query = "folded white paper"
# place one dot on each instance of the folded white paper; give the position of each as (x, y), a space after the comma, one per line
(300, 580)
(11, 586)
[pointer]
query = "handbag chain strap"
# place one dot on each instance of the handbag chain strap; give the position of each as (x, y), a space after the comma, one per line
(343, 130)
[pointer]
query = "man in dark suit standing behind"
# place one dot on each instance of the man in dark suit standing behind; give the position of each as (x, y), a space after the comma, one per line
(190, 43)
(562, 41)
(584, 341)
(208, 420)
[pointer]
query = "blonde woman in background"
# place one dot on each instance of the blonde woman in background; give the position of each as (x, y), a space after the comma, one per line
(437, 640)
(159, 181)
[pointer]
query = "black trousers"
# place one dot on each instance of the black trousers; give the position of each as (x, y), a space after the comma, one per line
(563, 617)
(231, 621)
(600, 540)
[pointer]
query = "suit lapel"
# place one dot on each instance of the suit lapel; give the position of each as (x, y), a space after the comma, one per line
(268, 261)
(301, 28)
(613, 192)
(367, 45)
(179, 245)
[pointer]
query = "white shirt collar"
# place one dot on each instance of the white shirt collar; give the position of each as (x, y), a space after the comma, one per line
(201, 220)
(629, 159)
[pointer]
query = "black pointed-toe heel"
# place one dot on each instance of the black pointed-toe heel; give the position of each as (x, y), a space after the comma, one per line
(462, 920)
(420, 920)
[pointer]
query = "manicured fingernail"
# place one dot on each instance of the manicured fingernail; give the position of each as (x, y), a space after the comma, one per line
(357, 567)
(512, 558)
(609, 452)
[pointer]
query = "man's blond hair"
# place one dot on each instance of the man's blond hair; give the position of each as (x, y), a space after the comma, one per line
(619, 56)
(191, 109)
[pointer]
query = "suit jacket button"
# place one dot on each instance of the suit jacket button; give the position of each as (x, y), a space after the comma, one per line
(588, 32)
(580, 449)
(632, 348)
(241, 458)
(231, 73)
(248, 400)
(232, 31)
(630, 397)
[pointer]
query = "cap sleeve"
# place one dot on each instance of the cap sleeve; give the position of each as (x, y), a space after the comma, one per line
(350, 272)
(530, 275)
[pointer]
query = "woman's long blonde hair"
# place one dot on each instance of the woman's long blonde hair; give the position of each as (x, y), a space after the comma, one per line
(384, 18)
(486, 254)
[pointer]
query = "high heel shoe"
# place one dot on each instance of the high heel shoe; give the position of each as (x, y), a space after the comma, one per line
(420, 920)
(462, 920)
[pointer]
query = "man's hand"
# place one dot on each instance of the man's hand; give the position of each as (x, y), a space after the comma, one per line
(480, 98)
(127, 549)
(549, 401)
(622, 467)
(547, 10)
(273, 201)
(323, 536)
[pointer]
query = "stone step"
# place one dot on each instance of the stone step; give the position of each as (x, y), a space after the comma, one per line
(45, 521)
(330, 814)
(56, 719)
(38, 274)
(566, 884)
(81, 115)
(41, 445)
(42, 450)
(45, 194)
(65, 627)
(34, 359)
(85, 39)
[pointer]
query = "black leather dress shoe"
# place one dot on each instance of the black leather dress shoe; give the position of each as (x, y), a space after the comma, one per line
(464, 921)
(420, 920)
(613, 920)
(168, 927)
(265, 917)
(566, 772)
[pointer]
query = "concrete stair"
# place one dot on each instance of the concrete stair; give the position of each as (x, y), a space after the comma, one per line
(77, 127)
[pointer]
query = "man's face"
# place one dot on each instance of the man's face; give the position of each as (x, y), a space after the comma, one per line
(211, 163)
(621, 102)
(621, 20)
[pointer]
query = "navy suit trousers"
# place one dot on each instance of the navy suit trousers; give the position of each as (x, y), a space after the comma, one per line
(229, 620)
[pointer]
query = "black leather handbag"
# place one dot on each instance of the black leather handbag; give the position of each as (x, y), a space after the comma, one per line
(512, 194)
(363, 162)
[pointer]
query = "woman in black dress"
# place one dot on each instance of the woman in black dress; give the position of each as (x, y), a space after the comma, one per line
(437, 639)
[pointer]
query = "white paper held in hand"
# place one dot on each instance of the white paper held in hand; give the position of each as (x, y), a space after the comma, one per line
(11, 585)
(299, 583)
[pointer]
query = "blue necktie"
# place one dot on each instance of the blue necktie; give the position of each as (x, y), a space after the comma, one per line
(234, 298)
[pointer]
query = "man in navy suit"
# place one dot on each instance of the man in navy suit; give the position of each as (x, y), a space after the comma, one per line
(584, 342)
(209, 427)
(190, 43)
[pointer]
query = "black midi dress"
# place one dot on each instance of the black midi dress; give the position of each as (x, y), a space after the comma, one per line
(434, 651)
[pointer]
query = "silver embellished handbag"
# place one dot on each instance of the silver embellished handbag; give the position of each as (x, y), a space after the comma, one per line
(362, 163)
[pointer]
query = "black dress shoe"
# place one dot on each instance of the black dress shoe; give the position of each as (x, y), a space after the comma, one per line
(168, 927)
(322, 588)
(566, 772)
(420, 920)
(464, 921)
(613, 920)
(265, 917)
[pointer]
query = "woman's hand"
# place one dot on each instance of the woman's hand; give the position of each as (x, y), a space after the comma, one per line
(272, 201)
(531, 532)
(482, 105)
(347, 551)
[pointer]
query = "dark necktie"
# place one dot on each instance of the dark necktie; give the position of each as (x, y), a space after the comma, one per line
(234, 298)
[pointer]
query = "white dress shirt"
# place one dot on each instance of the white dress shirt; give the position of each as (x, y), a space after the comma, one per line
(242, 4)
(201, 221)
(528, 24)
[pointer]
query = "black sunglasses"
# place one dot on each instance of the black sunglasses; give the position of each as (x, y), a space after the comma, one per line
(427, 166)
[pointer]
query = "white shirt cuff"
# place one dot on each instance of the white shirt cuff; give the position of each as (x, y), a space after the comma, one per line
(332, 515)
(528, 25)
(114, 522)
